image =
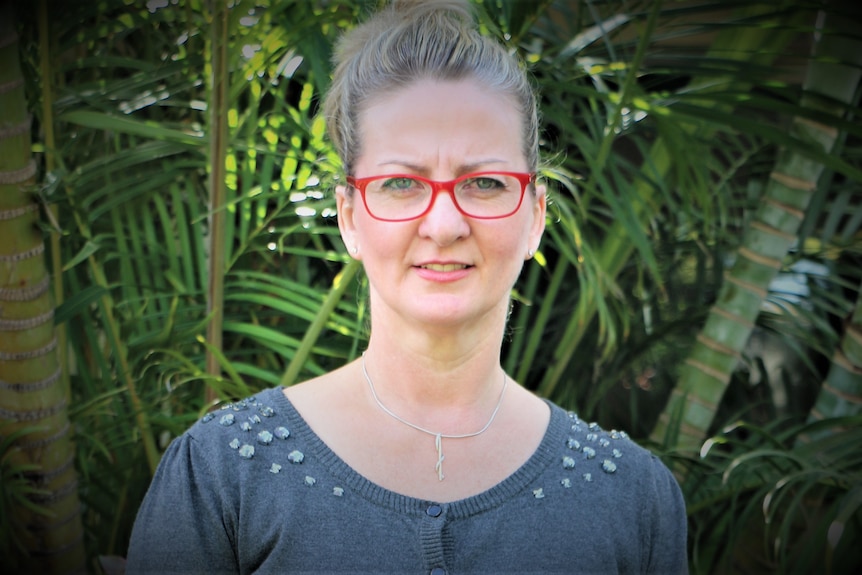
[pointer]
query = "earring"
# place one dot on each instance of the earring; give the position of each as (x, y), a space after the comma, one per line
(354, 250)
(529, 254)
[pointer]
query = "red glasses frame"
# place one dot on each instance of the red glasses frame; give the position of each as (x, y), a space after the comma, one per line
(524, 178)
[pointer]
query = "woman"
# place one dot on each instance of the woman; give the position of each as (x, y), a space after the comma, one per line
(423, 456)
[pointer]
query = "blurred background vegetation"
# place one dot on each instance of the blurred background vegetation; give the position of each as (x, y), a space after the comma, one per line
(168, 242)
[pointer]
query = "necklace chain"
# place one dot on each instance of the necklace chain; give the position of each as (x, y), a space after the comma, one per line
(438, 437)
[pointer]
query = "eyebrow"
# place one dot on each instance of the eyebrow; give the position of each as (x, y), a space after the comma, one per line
(461, 169)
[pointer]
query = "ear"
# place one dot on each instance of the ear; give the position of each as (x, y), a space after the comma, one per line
(539, 209)
(346, 225)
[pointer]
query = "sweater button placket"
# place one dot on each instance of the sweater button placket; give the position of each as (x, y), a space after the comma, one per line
(431, 535)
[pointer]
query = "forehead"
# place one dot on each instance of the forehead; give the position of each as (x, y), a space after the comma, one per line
(439, 124)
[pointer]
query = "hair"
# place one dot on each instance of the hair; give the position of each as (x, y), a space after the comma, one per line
(412, 40)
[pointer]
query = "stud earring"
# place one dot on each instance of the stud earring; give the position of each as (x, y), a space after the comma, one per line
(529, 254)
(354, 250)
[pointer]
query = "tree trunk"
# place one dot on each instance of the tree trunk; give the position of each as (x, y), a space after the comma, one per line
(706, 373)
(841, 392)
(218, 132)
(44, 518)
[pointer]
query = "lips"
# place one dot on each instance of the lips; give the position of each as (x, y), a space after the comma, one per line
(444, 267)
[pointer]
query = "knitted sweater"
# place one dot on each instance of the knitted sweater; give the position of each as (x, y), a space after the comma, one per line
(252, 489)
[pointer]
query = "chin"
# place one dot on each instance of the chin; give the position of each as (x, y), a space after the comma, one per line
(453, 314)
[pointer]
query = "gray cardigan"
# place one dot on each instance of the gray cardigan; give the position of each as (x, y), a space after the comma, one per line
(251, 489)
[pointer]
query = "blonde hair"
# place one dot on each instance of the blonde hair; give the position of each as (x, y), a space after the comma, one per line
(411, 40)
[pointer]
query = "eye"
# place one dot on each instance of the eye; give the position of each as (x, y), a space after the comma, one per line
(485, 183)
(400, 184)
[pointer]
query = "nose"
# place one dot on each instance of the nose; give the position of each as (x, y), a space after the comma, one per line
(444, 223)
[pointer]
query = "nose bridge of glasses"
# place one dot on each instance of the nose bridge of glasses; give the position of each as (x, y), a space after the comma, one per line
(437, 187)
(440, 186)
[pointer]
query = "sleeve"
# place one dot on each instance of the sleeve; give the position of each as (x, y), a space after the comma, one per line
(668, 545)
(183, 525)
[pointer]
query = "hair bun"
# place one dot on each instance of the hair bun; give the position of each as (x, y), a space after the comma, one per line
(417, 8)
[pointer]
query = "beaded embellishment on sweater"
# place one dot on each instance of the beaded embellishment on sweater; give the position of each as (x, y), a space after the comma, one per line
(588, 449)
(597, 450)
(249, 415)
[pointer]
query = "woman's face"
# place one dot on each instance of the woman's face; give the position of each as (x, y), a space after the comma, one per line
(444, 268)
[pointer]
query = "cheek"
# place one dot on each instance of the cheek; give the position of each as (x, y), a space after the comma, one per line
(381, 241)
(506, 244)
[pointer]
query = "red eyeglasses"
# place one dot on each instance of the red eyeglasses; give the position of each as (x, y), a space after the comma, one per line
(404, 197)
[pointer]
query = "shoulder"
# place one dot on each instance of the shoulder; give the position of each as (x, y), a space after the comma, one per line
(612, 468)
(623, 488)
(231, 456)
(250, 418)
(586, 480)
(238, 431)
(597, 451)
(191, 515)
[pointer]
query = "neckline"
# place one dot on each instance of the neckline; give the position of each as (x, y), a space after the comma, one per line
(509, 487)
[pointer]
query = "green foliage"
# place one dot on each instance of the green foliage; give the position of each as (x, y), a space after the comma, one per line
(767, 504)
(662, 124)
(18, 492)
(130, 188)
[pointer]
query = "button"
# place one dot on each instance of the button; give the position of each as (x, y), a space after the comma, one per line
(438, 571)
(434, 511)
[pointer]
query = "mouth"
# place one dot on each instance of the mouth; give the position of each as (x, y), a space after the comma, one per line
(444, 267)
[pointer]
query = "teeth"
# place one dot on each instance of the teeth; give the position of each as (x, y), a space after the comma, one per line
(444, 267)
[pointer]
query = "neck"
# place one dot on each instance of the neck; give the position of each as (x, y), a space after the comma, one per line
(433, 376)
(438, 435)
(449, 395)
(436, 365)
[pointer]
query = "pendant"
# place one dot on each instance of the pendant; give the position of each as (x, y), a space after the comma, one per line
(438, 442)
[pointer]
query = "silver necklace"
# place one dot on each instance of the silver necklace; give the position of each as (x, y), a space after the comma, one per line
(438, 437)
